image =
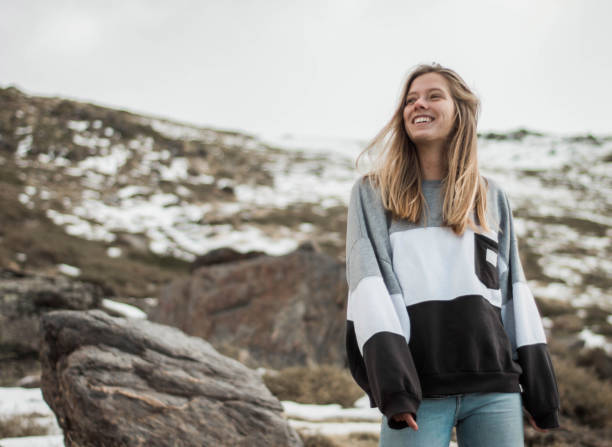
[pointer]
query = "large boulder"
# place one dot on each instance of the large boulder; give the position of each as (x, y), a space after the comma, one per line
(271, 311)
(117, 382)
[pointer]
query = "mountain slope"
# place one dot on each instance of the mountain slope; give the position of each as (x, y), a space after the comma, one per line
(112, 193)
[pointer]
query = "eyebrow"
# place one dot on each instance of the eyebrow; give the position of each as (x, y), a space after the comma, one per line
(429, 90)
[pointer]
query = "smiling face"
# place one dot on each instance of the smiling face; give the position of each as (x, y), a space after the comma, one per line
(429, 112)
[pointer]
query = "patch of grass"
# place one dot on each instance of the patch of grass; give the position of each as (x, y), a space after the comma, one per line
(584, 397)
(552, 308)
(568, 323)
(10, 175)
(325, 384)
(329, 227)
(316, 440)
(17, 367)
(588, 138)
(598, 360)
(597, 320)
(161, 261)
(45, 245)
(22, 425)
(364, 436)
(516, 135)
(582, 226)
(597, 278)
(356, 439)
(570, 434)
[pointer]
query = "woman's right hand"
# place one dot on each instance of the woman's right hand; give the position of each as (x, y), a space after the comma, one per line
(408, 418)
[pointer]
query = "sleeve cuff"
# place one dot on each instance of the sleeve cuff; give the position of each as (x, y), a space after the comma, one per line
(549, 420)
(401, 403)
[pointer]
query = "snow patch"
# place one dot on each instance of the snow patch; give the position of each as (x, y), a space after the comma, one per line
(107, 164)
(123, 309)
(113, 252)
(78, 126)
(592, 340)
(91, 142)
(24, 146)
(24, 130)
(69, 270)
(132, 190)
(312, 412)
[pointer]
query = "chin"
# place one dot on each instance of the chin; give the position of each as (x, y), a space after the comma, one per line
(424, 138)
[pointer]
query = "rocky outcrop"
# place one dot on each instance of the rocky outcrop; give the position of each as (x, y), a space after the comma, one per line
(272, 311)
(116, 382)
(24, 298)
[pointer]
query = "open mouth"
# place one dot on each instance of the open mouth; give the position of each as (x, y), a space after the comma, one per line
(422, 120)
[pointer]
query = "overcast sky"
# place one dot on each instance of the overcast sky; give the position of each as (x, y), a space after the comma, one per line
(313, 67)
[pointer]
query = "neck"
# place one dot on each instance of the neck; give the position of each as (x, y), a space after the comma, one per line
(432, 159)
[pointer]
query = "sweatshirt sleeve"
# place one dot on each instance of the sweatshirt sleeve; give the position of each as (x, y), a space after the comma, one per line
(377, 326)
(524, 326)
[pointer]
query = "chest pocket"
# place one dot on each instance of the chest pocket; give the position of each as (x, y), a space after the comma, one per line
(486, 252)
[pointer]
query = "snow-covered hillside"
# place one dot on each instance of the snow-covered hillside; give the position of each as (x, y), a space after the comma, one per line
(180, 190)
(134, 187)
(145, 183)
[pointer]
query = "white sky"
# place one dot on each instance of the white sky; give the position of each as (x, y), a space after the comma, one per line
(314, 67)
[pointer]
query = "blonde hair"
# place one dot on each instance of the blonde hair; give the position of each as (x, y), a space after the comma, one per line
(397, 170)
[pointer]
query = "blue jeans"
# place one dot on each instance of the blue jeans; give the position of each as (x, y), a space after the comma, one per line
(482, 420)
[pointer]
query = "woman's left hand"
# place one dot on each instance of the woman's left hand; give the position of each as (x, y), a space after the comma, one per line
(533, 423)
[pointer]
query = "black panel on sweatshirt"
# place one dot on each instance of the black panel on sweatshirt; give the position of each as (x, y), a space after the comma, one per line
(392, 378)
(537, 378)
(464, 335)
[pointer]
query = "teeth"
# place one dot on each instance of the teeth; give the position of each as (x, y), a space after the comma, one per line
(422, 119)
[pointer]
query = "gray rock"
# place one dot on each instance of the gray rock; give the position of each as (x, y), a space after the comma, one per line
(271, 311)
(117, 382)
(24, 298)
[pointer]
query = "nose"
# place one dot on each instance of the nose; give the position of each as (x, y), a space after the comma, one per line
(420, 103)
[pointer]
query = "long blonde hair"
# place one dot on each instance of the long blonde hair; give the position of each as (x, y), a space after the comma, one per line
(398, 173)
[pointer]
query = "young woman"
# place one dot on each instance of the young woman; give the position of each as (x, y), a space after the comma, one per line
(442, 329)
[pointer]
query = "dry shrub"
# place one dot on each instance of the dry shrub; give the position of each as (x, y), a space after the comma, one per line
(599, 360)
(571, 434)
(316, 440)
(597, 320)
(21, 425)
(12, 370)
(548, 441)
(571, 323)
(324, 384)
(584, 397)
(554, 308)
(364, 436)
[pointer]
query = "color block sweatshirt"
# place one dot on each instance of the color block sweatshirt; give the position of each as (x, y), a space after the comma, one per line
(433, 314)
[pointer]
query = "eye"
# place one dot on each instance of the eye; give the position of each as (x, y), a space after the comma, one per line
(409, 100)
